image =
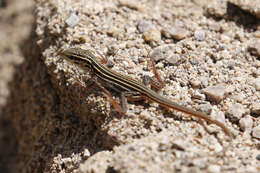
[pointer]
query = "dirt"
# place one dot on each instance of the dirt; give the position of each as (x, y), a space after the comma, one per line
(207, 53)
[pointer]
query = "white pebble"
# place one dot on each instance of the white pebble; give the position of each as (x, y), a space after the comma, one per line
(214, 169)
(72, 20)
(199, 35)
(246, 123)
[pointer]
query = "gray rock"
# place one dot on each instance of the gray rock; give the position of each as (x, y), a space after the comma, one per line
(152, 35)
(215, 93)
(235, 112)
(256, 132)
(144, 26)
(166, 52)
(177, 33)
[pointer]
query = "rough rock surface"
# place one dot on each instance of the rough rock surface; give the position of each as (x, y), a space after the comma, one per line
(50, 122)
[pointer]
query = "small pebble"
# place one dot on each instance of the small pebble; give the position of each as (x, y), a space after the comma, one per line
(258, 157)
(215, 93)
(246, 123)
(204, 81)
(72, 20)
(130, 29)
(225, 38)
(257, 84)
(175, 59)
(166, 33)
(214, 169)
(219, 115)
(152, 35)
(190, 45)
(165, 52)
(238, 97)
(144, 26)
(214, 27)
(177, 33)
(86, 153)
(235, 112)
(254, 48)
(130, 44)
(256, 132)
(198, 95)
(114, 32)
(206, 108)
(255, 109)
(194, 61)
(195, 83)
(162, 147)
(199, 35)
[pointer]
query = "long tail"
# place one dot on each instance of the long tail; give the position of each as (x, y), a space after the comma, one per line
(169, 104)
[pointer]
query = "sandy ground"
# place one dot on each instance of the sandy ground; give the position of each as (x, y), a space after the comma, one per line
(207, 53)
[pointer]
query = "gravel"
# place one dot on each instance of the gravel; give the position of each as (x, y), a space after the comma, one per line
(204, 51)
